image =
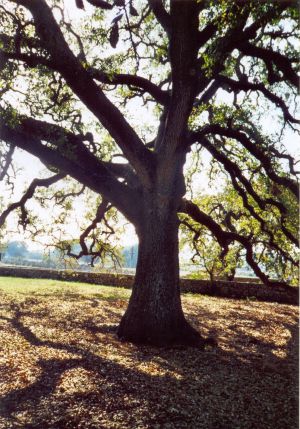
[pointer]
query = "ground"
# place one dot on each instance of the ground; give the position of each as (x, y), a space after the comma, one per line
(63, 367)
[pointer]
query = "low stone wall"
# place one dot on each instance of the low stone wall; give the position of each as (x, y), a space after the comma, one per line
(106, 279)
(232, 289)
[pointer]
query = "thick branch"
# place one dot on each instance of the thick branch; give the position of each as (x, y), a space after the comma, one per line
(142, 83)
(101, 4)
(183, 57)
(85, 88)
(205, 34)
(271, 58)
(78, 164)
(161, 15)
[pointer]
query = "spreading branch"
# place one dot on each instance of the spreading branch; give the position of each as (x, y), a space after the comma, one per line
(245, 85)
(272, 58)
(79, 163)
(89, 249)
(255, 149)
(224, 237)
(28, 195)
(83, 85)
(135, 81)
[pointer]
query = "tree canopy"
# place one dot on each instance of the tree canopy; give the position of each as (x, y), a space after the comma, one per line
(117, 97)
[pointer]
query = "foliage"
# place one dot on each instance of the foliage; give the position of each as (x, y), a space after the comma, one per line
(226, 208)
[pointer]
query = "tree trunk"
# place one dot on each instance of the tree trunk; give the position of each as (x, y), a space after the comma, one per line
(154, 314)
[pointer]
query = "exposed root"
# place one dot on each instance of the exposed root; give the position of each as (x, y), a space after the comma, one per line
(181, 335)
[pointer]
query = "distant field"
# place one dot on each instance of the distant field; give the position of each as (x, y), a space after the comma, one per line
(62, 366)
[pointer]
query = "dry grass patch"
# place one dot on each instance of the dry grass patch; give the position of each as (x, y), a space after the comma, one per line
(63, 367)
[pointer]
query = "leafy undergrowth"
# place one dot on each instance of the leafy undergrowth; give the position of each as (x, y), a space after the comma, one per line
(63, 367)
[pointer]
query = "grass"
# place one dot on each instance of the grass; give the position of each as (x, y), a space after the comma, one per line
(46, 287)
(61, 365)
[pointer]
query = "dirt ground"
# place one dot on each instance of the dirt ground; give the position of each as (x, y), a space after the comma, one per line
(62, 366)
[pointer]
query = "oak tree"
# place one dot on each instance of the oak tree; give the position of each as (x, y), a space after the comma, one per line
(209, 72)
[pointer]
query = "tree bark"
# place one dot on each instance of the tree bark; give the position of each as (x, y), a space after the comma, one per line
(154, 314)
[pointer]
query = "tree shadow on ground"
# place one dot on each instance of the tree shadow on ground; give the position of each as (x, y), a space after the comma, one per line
(244, 382)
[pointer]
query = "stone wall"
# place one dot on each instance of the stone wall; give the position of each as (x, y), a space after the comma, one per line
(232, 289)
